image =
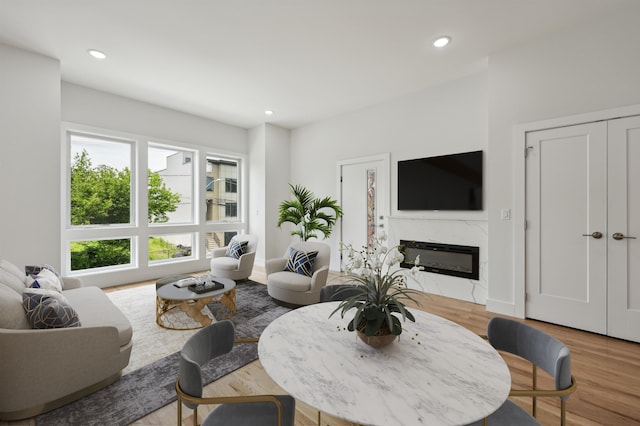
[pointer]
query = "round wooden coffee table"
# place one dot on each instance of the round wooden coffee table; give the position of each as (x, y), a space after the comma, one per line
(178, 308)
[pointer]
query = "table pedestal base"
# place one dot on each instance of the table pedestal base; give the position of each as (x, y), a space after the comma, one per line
(192, 314)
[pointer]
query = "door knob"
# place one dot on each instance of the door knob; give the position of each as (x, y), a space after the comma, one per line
(597, 235)
(621, 236)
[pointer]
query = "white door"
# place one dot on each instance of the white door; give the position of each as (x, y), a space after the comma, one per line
(566, 234)
(364, 198)
(624, 228)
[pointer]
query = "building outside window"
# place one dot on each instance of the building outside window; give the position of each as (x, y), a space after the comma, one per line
(222, 199)
(171, 184)
(231, 185)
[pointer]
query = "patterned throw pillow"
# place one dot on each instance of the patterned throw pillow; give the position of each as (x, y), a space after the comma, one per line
(36, 269)
(236, 249)
(48, 309)
(45, 279)
(300, 262)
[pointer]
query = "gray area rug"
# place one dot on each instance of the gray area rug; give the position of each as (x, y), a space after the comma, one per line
(153, 386)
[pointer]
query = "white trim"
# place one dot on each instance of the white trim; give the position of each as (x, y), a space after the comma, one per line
(519, 190)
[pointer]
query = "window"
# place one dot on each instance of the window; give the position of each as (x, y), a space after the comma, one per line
(170, 246)
(219, 239)
(133, 203)
(170, 186)
(99, 197)
(222, 200)
(231, 210)
(231, 185)
(100, 253)
(100, 181)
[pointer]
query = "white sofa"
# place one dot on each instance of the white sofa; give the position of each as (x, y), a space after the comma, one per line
(42, 369)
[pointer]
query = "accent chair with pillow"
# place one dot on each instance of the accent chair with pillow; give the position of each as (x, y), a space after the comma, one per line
(298, 277)
(59, 340)
(235, 261)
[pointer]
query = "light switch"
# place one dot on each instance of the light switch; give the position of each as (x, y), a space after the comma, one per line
(505, 214)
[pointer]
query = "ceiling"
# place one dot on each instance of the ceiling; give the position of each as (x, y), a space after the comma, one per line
(306, 60)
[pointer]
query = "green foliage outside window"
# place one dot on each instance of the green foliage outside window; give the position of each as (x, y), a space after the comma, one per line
(99, 253)
(101, 195)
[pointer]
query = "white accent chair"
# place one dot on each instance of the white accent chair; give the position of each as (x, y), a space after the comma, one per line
(294, 288)
(229, 267)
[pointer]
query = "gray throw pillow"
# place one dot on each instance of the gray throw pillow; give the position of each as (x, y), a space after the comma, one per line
(48, 309)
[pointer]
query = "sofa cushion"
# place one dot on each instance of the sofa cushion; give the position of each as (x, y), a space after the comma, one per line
(290, 281)
(235, 249)
(12, 269)
(300, 262)
(11, 310)
(225, 263)
(96, 310)
(10, 280)
(48, 309)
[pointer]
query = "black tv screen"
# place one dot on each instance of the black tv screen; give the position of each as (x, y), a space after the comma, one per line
(447, 182)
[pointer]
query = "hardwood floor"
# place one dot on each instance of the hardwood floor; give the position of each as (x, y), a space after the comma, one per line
(607, 371)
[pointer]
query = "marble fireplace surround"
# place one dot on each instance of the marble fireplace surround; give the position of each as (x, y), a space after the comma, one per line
(464, 232)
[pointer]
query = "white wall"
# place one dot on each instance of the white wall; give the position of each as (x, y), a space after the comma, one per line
(269, 158)
(258, 185)
(101, 109)
(29, 158)
(278, 147)
(589, 68)
(446, 119)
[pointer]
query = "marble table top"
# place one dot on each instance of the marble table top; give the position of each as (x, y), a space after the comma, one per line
(438, 373)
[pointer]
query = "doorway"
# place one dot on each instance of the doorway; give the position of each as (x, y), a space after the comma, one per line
(364, 198)
(582, 226)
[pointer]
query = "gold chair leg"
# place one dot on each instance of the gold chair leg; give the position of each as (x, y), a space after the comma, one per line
(179, 412)
(319, 419)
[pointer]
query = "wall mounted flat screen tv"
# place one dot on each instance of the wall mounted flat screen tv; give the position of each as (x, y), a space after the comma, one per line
(447, 182)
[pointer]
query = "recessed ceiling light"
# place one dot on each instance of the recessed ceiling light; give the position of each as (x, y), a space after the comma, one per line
(268, 112)
(441, 41)
(96, 54)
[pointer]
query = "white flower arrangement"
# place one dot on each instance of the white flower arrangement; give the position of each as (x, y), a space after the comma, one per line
(380, 289)
(377, 261)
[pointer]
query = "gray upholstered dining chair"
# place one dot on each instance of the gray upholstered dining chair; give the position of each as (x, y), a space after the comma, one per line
(542, 351)
(338, 292)
(211, 342)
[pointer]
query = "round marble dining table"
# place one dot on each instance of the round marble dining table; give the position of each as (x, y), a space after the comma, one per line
(437, 373)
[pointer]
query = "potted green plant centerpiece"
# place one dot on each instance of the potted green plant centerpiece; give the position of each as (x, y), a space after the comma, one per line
(380, 292)
(310, 214)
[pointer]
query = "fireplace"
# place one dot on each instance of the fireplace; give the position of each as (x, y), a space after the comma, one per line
(446, 259)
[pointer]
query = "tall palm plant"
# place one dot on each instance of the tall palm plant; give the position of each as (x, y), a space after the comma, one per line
(308, 213)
